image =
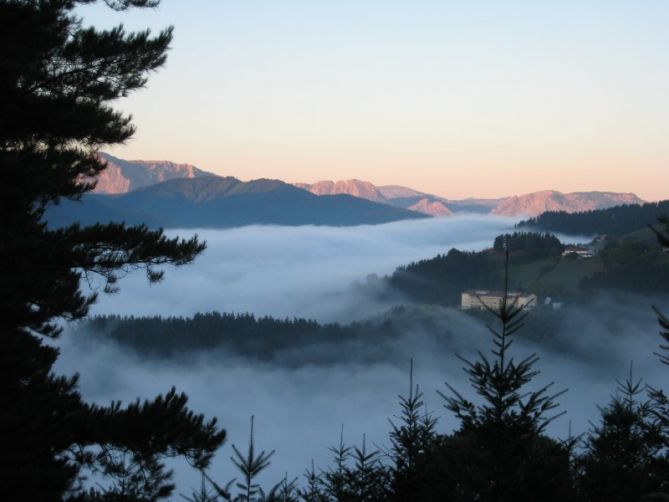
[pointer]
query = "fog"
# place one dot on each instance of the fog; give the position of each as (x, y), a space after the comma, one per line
(309, 272)
(295, 271)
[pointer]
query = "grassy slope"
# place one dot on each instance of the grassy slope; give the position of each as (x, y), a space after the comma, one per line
(562, 275)
(554, 276)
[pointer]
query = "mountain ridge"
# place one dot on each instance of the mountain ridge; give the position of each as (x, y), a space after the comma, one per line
(535, 203)
(122, 176)
(529, 204)
(126, 176)
(223, 202)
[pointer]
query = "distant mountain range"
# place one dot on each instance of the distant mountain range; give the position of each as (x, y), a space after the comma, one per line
(531, 204)
(163, 193)
(539, 202)
(222, 202)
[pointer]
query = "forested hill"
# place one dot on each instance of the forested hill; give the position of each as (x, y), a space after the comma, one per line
(297, 342)
(615, 221)
(443, 278)
(245, 335)
(633, 263)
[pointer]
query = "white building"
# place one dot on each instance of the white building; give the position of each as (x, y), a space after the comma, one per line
(481, 298)
(579, 251)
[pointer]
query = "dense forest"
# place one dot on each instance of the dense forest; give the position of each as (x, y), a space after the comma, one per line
(613, 221)
(272, 340)
(259, 338)
(528, 246)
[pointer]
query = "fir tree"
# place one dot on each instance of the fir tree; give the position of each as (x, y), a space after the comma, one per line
(335, 479)
(284, 491)
(58, 79)
(409, 439)
(626, 456)
(358, 475)
(499, 452)
(203, 494)
(368, 480)
(249, 465)
(314, 489)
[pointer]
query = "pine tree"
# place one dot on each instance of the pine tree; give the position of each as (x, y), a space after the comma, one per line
(314, 489)
(368, 480)
(358, 475)
(58, 80)
(626, 456)
(249, 465)
(410, 438)
(499, 452)
(335, 478)
(284, 491)
(203, 494)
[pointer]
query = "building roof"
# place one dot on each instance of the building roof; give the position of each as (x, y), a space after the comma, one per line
(490, 292)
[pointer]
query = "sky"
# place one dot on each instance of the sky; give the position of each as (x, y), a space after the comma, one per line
(478, 98)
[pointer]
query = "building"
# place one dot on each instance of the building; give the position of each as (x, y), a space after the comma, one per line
(479, 299)
(578, 251)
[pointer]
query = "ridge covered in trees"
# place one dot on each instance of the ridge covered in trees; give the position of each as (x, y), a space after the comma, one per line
(261, 338)
(633, 263)
(613, 221)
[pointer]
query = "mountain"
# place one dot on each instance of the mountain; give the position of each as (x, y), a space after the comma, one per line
(223, 202)
(430, 206)
(533, 204)
(356, 188)
(393, 195)
(122, 176)
(399, 192)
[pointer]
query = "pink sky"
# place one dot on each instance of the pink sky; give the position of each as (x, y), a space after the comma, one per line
(458, 99)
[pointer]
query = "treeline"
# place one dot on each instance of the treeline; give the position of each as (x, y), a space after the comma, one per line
(614, 221)
(529, 246)
(259, 338)
(499, 452)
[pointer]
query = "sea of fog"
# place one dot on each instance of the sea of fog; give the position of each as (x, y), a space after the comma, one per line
(309, 272)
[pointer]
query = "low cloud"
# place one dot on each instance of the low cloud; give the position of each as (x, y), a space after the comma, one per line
(308, 272)
(295, 271)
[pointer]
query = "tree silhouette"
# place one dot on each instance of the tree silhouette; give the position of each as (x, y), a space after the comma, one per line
(410, 438)
(625, 458)
(58, 80)
(250, 465)
(499, 452)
